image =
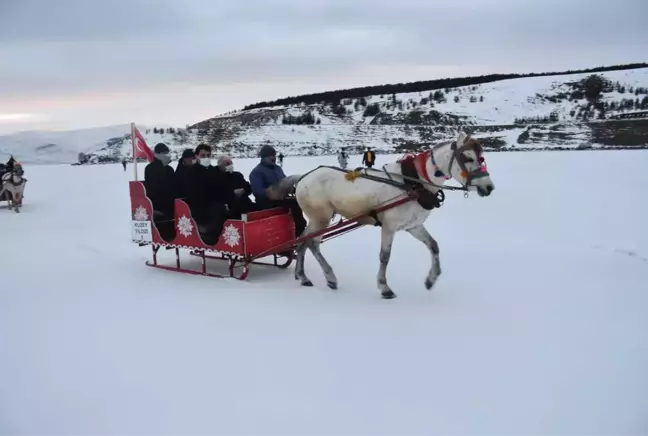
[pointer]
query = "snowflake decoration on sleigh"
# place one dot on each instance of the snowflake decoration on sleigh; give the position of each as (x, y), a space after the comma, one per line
(231, 236)
(140, 214)
(184, 226)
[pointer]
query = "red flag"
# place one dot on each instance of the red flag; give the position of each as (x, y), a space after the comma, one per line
(140, 146)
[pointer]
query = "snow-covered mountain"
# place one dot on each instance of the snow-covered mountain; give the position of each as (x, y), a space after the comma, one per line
(570, 111)
(58, 147)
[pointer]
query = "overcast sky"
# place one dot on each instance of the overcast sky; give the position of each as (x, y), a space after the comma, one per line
(67, 64)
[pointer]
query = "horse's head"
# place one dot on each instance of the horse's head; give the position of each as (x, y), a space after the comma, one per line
(463, 161)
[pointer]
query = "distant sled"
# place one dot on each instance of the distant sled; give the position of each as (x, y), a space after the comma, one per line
(12, 186)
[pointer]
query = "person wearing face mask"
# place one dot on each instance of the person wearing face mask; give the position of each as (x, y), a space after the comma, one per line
(239, 188)
(266, 173)
(207, 196)
(159, 180)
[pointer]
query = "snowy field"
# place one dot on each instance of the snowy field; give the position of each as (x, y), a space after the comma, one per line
(538, 325)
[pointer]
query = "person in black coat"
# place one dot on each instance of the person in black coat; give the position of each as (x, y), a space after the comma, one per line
(159, 180)
(10, 164)
(183, 173)
(238, 188)
(207, 196)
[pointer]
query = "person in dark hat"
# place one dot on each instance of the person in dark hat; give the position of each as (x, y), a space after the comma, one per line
(159, 180)
(10, 163)
(188, 157)
(266, 173)
(183, 172)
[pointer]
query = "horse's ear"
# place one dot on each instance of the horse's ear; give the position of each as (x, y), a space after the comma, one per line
(461, 139)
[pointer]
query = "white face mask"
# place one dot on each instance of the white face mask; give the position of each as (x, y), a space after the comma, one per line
(164, 158)
(205, 161)
(229, 168)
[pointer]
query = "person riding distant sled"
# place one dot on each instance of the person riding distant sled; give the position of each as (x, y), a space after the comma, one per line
(281, 156)
(267, 173)
(369, 158)
(159, 180)
(124, 164)
(10, 164)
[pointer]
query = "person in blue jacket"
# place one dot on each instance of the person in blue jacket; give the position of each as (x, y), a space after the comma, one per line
(266, 173)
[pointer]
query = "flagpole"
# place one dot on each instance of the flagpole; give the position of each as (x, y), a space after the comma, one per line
(134, 152)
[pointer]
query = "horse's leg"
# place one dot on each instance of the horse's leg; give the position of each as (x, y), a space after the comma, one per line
(299, 264)
(14, 202)
(421, 233)
(386, 240)
(300, 273)
(313, 245)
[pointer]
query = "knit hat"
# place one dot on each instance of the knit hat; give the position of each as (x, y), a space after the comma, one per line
(187, 152)
(267, 151)
(161, 148)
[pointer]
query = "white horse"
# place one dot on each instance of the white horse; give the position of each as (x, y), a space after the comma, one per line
(12, 186)
(327, 191)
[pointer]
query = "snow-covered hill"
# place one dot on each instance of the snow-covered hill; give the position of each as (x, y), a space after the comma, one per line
(565, 111)
(605, 109)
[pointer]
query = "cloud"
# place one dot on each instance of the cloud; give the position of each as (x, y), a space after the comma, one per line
(54, 49)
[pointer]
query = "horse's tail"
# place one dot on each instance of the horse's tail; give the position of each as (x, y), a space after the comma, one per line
(283, 188)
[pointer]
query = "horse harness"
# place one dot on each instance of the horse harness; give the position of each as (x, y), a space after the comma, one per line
(414, 179)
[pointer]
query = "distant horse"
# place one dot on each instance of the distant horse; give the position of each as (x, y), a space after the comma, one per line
(327, 191)
(12, 187)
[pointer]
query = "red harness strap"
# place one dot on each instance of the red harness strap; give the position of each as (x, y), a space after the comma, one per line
(420, 163)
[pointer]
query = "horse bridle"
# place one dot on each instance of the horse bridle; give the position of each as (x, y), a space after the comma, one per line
(457, 155)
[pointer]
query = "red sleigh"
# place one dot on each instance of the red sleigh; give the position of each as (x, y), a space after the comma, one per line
(241, 242)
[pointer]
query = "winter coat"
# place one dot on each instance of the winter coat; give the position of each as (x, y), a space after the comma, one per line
(159, 180)
(368, 158)
(239, 204)
(183, 178)
(262, 177)
(342, 159)
(204, 188)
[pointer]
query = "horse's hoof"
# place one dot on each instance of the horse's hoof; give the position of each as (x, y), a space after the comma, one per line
(332, 285)
(307, 283)
(388, 295)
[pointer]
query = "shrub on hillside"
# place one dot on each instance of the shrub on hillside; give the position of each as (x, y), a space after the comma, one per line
(305, 118)
(371, 110)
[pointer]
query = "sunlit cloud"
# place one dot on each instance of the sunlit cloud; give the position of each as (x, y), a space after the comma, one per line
(15, 118)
